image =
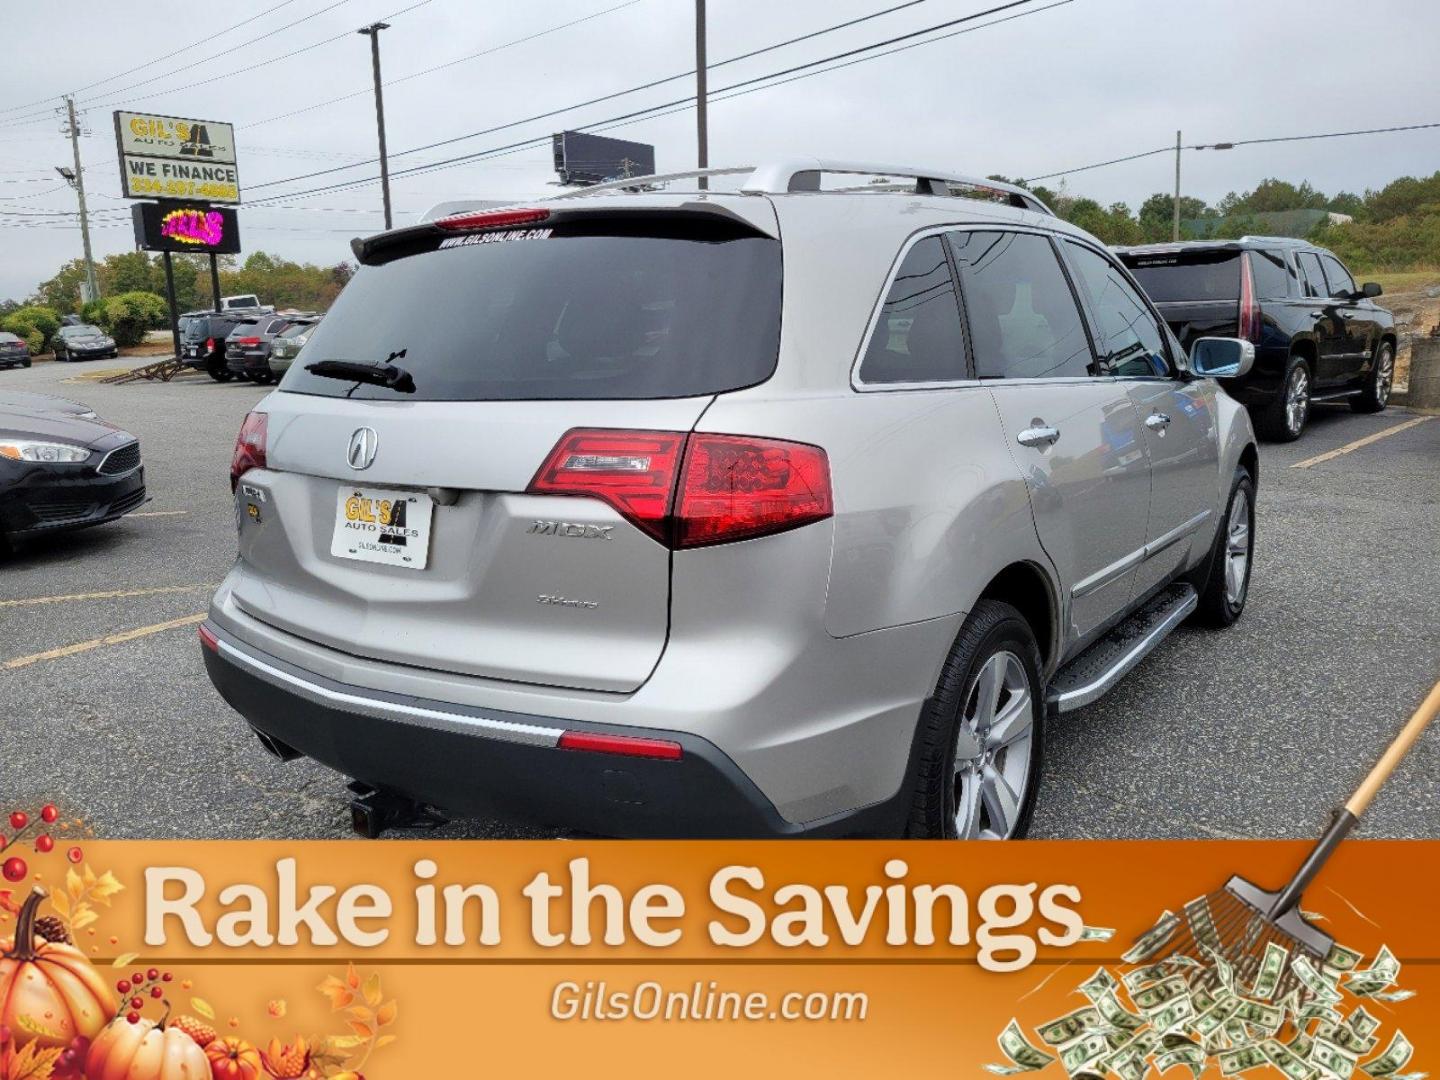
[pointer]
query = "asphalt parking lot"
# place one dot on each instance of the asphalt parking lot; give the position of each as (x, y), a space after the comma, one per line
(1254, 732)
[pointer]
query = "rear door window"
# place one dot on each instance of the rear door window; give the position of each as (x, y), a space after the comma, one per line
(1024, 322)
(1339, 279)
(1272, 277)
(1131, 344)
(611, 309)
(1311, 278)
(918, 337)
(1189, 276)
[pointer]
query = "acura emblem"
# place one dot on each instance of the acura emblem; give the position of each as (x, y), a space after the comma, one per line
(362, 448)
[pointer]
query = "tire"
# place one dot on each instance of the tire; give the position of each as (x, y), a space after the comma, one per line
(1226, 584)
(1376, 394)
(261, 378)
(1284, 418)
(981, 801)
(25, 363)
(218, 371)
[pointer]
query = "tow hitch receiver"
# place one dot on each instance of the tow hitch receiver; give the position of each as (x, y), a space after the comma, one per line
(373, 811)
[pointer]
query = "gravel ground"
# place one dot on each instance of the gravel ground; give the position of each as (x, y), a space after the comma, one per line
(1257, 731)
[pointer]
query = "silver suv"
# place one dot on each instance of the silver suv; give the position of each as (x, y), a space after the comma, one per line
(797, 509)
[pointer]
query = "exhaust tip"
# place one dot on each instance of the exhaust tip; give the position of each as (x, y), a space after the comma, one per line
(280, 750)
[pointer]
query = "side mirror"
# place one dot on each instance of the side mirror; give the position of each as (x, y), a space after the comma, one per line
(1371, 289)
(1221, 357)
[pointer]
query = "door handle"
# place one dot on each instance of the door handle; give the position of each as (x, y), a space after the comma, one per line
(1040, 435)
(1157, 421)
(1347, 315)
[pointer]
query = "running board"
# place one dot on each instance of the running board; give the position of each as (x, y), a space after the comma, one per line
(1094, 672)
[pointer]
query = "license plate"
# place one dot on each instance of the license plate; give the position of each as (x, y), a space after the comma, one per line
(192, 350)
(381, 525)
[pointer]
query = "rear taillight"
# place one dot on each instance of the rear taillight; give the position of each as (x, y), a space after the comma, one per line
(209, 344)
(690, 491)
(492, 219)
(247, 342)
(1249, 307)
(249, 447)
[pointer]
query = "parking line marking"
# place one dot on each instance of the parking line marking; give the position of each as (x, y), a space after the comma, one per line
(1330, 455)
(114, 594)
(159, 513)
(109, 639)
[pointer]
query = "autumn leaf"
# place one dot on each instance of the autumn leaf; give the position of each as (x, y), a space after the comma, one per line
(372, 989)
(106, 887)
(339, 994)
(124, 959)
(73, 885)
(386, 1013)
(352, 977)
(384, 1040)
(343, 1042)
(365, 1031)
(203, 1007)
(277, 1008)
(35, 1027)
(88, 876)
(360, 1012)
(59, 901)
(83, 917)
(33, 1063)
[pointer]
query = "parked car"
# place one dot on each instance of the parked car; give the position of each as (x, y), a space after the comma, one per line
(82, 342)
(606, 541)
(13, 350)
(247, 349)
(17, 400)
(1317, 336)
(202, 340)
(286, 345)
(62, 471)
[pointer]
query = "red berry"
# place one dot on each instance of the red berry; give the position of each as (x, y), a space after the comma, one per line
(49, 814)
(44, 844)
(137, 1003)
(133, 1017)
(75, 854)
(19, 819)
(123, 986)
(138, 978)
(156, 992)
(14, 869)
(152, 974)
(166, 977)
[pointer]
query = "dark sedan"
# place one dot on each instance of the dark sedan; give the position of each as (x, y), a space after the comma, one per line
(13, 351)
(82, 342)
(60, 471)
(24, 401)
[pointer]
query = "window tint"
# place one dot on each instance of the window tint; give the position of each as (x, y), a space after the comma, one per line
(1338, 277)
(1131, 344)
(1023, 320)
(1272, 280)
(1206, 274)
(1311, 277)
(918, 336)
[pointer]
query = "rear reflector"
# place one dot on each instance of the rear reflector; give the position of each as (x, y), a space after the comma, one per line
(626, 745)
(492, 219)
(208, 639)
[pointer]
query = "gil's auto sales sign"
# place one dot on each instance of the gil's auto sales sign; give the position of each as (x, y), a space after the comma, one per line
(174, 157)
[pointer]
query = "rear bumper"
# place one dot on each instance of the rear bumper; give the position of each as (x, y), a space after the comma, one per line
(481, 761)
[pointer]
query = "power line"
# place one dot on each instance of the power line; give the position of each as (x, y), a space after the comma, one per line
(672, 78)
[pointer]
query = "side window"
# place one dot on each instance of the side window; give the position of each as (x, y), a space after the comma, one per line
(1311, 277)
(1131, 343)
(1023, 320)
(1272, 281)
(918, 336)
(1339, 278)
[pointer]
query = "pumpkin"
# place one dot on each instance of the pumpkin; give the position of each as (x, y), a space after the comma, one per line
(233, 1059)
(49, 993)
(145, 1050)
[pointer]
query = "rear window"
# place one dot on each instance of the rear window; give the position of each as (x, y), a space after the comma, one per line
(1272, 276)
(574, 312)
(1188, 276)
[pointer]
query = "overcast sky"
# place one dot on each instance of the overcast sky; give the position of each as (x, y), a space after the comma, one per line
(1082, 82)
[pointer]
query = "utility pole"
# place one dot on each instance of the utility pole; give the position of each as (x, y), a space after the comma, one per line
(1175, 226)
(72, 128)
(702, 122)
(373, 33)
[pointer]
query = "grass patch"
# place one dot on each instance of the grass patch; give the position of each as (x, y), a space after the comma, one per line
(1399, 281)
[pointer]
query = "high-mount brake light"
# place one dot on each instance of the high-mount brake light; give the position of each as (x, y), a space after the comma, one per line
(492, 219)
(1249, 307)
(249, 447)
(696, 490)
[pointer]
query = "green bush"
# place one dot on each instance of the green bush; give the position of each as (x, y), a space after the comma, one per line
(93, 312)
(33, 319)
(126, 317)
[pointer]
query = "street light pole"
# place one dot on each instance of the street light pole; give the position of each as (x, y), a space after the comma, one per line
(373, 33)
(1175, 228)
(702, 120)
(92, 283)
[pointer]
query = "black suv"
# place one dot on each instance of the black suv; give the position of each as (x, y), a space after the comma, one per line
(202, 340)
(1317, 336)
(247, 349)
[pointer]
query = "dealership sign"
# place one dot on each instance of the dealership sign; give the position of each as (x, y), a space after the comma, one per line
(173, 157)
(186, 227)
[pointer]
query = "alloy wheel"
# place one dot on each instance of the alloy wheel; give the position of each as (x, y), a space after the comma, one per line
(1297, 400)
(993, 750)
(1384, 375)
(1237, 549)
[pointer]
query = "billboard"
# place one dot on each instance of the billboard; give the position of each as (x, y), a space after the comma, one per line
(581, 158)
(187, 228)
(176, 157)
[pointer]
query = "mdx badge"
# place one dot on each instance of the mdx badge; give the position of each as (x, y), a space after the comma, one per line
(363, 445)
(571, 528)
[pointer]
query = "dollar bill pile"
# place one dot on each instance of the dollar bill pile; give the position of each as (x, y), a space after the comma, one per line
(1198, 1012)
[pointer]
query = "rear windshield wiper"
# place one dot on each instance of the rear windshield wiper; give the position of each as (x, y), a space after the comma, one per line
(388, 374)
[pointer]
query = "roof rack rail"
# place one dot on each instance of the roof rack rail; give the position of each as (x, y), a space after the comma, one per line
(803, 174)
